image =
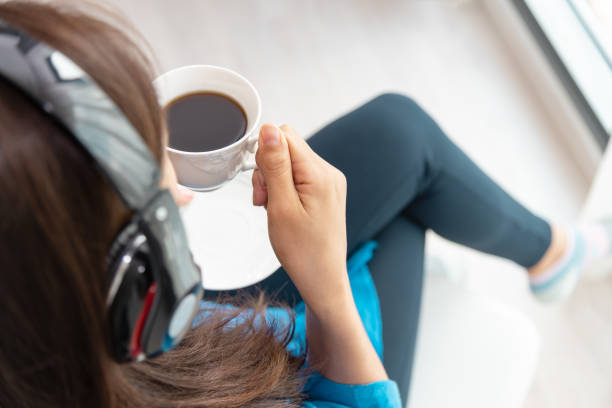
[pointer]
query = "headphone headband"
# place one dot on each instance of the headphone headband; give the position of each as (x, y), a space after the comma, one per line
(71, 96)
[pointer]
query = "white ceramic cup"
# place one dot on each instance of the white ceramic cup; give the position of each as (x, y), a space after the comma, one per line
(205, 171)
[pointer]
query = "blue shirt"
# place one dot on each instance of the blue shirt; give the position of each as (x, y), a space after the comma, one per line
(324, 393)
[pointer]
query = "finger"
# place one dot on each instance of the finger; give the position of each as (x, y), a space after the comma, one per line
(255, 178)
(274, 161)
(302, 154)
(260, 193)
(298, 148)
(260, 178)
(183, 195)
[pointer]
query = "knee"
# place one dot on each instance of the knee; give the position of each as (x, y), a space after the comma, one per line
(399, 118)
(393, 99)
(398, 109)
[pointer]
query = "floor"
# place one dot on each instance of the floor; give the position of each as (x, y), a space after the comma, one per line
(313, 60)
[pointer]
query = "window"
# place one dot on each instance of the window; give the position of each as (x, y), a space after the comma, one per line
(576, 36)
(597, 17)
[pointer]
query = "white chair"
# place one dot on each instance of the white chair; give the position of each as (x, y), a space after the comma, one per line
(472, 351)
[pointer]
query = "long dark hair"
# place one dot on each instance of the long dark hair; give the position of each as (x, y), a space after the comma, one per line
(58, 219)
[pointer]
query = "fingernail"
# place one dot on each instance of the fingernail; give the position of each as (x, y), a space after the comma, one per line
(270, 136)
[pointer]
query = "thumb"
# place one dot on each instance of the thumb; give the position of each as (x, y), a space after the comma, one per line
(274, 161)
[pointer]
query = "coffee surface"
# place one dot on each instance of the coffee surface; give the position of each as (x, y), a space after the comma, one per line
(204, 121)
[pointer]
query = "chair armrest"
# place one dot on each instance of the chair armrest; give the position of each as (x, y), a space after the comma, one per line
(472, 351)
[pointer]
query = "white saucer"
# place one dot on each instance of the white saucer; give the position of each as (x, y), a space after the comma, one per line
(229, 236)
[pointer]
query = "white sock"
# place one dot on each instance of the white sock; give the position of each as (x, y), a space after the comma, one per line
(588, 252)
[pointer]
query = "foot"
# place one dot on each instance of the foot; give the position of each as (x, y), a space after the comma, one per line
(573, 252)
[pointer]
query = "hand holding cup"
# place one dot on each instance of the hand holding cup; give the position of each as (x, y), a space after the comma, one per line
(305, 198)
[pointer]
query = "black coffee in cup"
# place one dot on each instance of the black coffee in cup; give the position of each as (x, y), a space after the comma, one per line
(204, 121)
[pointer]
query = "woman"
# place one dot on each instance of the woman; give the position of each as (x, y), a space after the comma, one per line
(403, 176)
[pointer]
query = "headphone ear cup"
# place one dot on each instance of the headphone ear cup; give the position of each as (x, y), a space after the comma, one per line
(128, 310)
(130, 287)
(155, 288)
(118, 247)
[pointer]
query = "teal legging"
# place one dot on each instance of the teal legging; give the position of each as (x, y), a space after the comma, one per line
(405, 176)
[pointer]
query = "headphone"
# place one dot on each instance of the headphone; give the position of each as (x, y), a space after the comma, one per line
(155, 286)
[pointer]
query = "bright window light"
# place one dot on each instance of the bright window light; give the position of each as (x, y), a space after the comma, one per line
(579, 32)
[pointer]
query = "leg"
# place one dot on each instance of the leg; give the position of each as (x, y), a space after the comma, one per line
(397, 160)
(397, 270)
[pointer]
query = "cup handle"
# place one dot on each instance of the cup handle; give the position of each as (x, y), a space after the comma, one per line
(248, 160)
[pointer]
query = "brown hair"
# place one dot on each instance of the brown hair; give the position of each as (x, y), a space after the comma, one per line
(59, 217)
